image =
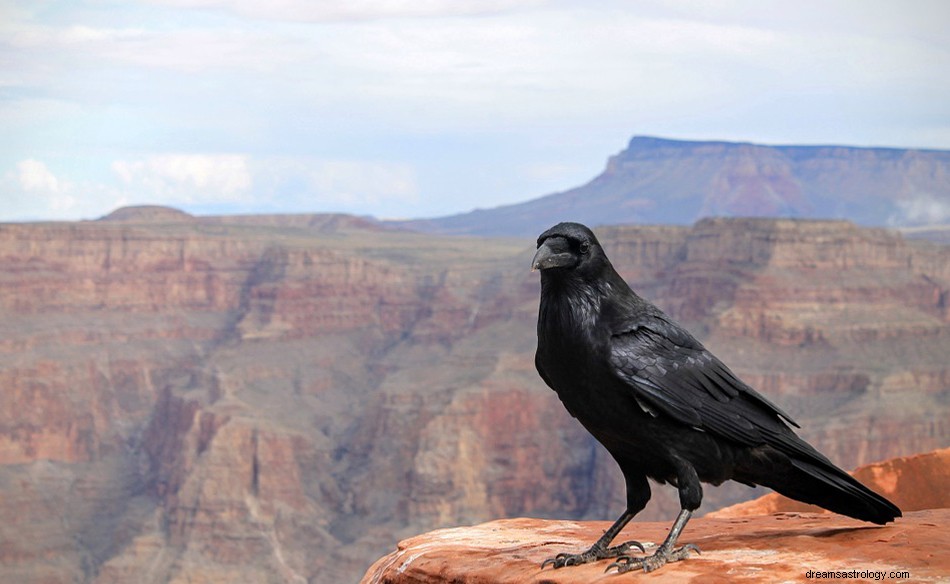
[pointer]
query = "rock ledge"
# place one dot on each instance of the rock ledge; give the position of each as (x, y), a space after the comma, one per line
(782, 547)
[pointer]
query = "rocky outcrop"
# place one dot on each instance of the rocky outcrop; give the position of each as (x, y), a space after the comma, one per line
(280, 399)
(773, 548)
(770, 539)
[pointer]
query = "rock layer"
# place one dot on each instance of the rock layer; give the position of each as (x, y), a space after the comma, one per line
(770, 539)
(774, 548)
(279, 399)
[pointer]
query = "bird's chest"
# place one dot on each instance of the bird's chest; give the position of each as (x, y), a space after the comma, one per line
(572, 359)
(582, 380)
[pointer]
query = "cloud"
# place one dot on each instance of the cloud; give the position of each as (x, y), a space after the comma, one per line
(323, 95)
(354, 10)
(273, 183)
(52, 50)
(365, 182)
(524, 62)
(37, 181)
(210, 182)
(34, 176)
(346, 185)
(923, 209)
(32, 191)
(188, 178)
(25, 36)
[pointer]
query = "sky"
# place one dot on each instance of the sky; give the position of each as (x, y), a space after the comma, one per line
(408, 109)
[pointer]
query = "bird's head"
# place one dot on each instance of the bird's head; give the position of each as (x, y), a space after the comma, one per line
(569, 249)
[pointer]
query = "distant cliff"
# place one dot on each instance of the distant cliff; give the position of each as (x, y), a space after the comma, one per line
(659, 181)
(280, 399)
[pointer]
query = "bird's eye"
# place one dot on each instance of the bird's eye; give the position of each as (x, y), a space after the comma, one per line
(585, 246)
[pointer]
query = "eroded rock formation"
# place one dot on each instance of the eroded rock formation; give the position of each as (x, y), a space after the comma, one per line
(279, 399)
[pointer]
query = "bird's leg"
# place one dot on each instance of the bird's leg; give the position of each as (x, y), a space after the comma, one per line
(666, 553)
(598, 551)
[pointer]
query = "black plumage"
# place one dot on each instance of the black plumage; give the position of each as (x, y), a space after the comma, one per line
(663, 405)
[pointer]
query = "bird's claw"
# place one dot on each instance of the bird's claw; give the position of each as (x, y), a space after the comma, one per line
(565, 559)
(625, 564)
(558, 561)
(592, 555)
(625, 547)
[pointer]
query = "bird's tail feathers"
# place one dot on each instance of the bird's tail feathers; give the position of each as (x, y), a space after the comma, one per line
(831, 488)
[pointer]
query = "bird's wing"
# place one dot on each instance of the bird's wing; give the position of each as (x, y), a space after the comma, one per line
(671, 373)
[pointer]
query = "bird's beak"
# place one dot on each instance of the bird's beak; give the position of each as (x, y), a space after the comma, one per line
(550, 255)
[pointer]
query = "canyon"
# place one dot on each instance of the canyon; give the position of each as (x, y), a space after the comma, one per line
(283, 398)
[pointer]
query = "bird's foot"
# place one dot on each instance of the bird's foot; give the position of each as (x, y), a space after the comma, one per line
(662, 557)
(594, 554)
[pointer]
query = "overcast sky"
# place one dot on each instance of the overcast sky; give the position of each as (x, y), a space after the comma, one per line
(401, 108)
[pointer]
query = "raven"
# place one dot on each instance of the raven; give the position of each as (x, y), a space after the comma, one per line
(662, 405)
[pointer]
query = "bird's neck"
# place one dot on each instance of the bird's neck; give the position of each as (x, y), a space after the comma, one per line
(572, 305)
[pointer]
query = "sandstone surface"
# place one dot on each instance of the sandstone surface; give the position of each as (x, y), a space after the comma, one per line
(281, 398)
(774, 548)
(769, 539)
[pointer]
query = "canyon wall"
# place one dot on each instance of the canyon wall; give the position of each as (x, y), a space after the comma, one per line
(280, 399)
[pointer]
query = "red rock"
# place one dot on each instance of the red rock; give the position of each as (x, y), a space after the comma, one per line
(766, 540)
(773, 548)
(213, 399)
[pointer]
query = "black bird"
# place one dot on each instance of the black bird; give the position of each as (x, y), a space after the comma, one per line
(663, 405)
